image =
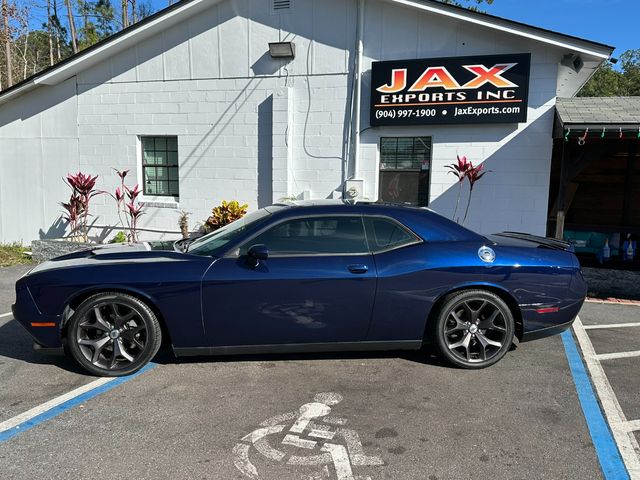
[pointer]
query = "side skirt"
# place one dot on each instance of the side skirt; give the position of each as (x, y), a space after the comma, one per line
(301, 348)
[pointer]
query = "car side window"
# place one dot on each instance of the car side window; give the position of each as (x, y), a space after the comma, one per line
(314, 236)
(387, 234)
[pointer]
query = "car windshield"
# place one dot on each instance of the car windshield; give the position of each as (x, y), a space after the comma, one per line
(214, 241)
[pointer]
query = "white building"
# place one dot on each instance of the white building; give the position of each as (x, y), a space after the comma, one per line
(195, 87)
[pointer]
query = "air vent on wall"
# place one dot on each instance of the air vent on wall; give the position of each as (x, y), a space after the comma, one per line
(280, 6)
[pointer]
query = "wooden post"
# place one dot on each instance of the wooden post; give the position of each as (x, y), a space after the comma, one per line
(628, 186)
(560, 216)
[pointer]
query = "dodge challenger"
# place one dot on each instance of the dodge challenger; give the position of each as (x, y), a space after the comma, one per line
(305, 277)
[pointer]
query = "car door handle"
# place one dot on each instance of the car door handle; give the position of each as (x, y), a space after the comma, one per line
(358, 268)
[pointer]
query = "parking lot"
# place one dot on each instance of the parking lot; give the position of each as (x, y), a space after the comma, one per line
(390, 415)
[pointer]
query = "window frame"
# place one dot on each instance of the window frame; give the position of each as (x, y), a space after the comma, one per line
(234, 252)
(151, 196)
(418, 171)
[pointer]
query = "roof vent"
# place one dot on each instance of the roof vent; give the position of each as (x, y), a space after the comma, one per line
(280, 6)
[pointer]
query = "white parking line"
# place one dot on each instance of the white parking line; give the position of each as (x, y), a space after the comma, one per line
(613, 356)
(627, 443)
(633, 425)
(612, 325)
(6, 315)
(35, 411)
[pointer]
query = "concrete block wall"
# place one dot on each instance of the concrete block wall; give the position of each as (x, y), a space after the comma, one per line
(257, 129)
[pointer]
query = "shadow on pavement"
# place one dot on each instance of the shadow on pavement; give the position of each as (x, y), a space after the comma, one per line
(16, 344)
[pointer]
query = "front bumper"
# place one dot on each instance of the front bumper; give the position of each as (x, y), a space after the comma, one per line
(45, 329)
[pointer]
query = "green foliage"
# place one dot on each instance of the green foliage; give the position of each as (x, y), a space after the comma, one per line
(609, 82)
(98, 24)
(224, 214)
(465, 3)
(120, 237)
(13, 254)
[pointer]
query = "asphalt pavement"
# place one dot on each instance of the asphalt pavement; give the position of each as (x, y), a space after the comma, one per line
(389, 416)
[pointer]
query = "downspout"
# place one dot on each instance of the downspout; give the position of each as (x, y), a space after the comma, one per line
(358, 88)
(356, 102)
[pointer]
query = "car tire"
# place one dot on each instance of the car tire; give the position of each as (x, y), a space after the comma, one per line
(113, 334)
(474, 329)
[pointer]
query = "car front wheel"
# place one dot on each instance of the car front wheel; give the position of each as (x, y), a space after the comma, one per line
(113, 334)
(474, 329)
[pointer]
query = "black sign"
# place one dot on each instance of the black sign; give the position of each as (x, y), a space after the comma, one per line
(458, 90)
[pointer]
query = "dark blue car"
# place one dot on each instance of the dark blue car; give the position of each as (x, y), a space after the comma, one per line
(301, 278)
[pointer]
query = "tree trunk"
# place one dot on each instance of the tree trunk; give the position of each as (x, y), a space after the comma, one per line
(49, 32)
(134, 15)
(55, 14)
(7, 42)
(72, 26)
(125, 13)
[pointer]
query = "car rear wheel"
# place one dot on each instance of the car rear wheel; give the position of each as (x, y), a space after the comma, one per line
(113, 334)
(474, 329)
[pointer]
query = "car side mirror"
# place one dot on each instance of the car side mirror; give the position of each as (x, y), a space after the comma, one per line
(257, 253)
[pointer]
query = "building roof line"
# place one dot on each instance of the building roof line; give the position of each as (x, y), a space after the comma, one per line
(533, 32)
(91, 55)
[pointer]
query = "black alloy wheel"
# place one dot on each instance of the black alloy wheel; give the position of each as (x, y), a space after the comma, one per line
(474, 329)
(113, 334)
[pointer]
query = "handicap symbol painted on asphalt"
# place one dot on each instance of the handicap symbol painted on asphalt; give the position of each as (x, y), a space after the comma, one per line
(327, 443)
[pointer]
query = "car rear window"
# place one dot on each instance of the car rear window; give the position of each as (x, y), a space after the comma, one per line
(386, 234)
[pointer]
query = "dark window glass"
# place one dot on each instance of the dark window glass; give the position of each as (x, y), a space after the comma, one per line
(160, 166)
(314, 236)
(385, 234)
(404, 170)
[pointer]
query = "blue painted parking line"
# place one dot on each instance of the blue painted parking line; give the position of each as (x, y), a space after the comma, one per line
(57, 409)
(609, 457)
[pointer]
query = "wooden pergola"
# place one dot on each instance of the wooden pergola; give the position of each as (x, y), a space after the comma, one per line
(595, 181)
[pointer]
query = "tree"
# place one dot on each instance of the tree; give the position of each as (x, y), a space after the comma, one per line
(72, 25)
(467, 2)
(7, 42)
(609, 82)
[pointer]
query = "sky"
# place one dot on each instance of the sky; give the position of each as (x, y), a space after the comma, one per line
(613, 22)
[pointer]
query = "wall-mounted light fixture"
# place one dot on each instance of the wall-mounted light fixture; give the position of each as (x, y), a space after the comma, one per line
(282, 50)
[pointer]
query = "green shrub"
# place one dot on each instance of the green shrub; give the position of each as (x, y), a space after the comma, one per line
(224, 214)
(120, 237)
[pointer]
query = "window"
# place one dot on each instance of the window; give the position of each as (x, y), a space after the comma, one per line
(160, 166)
(386, 234)
(216, 241)
(314, 236)
(405, 163)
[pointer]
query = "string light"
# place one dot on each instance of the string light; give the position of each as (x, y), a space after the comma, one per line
(566, 135)
(582, 140)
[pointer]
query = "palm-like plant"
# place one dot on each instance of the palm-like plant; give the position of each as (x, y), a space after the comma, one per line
(473, 175)
(83, 190)
(131, 210)
(460, 170)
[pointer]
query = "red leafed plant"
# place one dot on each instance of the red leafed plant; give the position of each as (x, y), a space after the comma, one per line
(473, 175)
(460, 170)
(129, 206)
(83, 190)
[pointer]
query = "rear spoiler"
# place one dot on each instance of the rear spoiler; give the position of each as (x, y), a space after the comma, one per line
(543, 242)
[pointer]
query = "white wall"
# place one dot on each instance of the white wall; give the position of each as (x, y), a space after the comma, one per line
(38, 147)
(514, 195)
(255, 129)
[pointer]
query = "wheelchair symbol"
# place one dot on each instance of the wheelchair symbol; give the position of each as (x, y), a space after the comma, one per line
(314, 430)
